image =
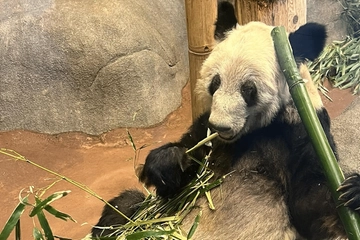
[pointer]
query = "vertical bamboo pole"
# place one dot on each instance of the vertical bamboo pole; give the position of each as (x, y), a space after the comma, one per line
(288, 13)
(200, 19)
(332, 171)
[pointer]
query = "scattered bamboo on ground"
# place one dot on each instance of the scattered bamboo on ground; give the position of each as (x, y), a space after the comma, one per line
(17, 156)
(339, 62)
(156, 218)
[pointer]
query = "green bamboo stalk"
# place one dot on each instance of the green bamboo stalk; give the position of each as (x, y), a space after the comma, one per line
(333, 173)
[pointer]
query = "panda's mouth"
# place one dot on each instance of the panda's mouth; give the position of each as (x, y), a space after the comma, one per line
(227, 136)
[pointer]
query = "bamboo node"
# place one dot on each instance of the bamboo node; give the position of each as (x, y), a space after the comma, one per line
(297, 82)
(200, 53)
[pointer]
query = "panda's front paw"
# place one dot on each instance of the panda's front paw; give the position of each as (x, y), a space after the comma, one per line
(350, 192)
(164, 168)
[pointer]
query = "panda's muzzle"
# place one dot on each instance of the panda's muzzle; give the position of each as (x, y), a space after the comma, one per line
(225, 132)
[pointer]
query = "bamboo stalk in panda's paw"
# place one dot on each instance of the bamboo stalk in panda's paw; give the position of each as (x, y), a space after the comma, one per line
(333, 173)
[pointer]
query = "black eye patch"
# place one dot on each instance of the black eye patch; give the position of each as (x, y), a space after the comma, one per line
(215, 84)
(249, 93)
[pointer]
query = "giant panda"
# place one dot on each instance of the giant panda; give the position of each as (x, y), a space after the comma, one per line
(276, 189)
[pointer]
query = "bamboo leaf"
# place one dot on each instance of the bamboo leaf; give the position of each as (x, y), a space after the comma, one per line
(145, 234)
(131, 140)
(63, 238)
(37, 234)
(18, 230)
(45, 225)
(13, 220)
(42, 204)
(194, 226)
(58, 214)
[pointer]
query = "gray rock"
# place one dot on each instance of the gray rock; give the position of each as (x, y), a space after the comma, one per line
(328, 12)
(346, 130)
(90, 66)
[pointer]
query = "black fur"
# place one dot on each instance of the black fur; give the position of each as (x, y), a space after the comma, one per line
(215, 84)
(305, 41)
(226, 20)
(249, 93)
(168, 168)
(127, 203)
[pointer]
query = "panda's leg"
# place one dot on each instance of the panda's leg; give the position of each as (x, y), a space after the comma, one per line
(168, 167)
(127, 202)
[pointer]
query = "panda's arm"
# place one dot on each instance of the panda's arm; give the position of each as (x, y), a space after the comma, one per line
(168, 167)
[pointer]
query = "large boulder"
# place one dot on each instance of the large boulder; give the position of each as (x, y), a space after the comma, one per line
(90, 66)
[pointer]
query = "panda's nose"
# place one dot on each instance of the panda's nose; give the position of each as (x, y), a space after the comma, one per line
(219, 128)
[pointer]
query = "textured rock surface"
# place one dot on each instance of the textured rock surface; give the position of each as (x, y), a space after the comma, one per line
(90, 66)
(328, 12)
(346, 130)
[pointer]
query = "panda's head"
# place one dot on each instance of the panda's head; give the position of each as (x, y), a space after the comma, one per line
(241, 83)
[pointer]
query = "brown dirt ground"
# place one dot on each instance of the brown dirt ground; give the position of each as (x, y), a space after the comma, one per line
(104, 163)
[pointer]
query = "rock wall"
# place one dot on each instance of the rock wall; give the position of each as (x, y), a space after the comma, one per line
(328, 12)
(90, 66)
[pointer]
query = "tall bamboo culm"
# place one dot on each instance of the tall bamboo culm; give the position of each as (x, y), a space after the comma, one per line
(200, 19)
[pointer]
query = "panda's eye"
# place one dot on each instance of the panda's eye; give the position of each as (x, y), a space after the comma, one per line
(249, 93)
(215, 84)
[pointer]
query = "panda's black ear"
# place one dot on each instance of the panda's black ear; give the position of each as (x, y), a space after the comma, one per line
(226, 20)
(308, 41)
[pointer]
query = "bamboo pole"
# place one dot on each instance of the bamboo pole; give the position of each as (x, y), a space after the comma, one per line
(333, 173)
(200, 19)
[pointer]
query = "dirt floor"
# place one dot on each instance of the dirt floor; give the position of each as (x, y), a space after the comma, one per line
(103, 163)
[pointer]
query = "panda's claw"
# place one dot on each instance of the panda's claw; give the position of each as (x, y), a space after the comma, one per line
(350, 192)
(349, 202)
(343, 187)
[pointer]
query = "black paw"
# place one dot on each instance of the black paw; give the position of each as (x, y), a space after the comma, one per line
(127, 202)
(350, 192)
(165, 168)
